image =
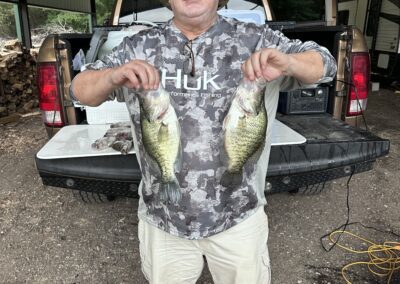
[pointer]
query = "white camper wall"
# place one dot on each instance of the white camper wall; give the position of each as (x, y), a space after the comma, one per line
(387, 38)
(357, 12)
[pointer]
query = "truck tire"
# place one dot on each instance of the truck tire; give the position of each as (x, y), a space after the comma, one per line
(92, 197)
(312, 189)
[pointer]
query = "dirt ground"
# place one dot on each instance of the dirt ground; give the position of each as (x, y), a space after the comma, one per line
(48, 236)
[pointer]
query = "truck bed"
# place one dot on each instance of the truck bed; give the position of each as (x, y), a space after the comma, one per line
(332, 149)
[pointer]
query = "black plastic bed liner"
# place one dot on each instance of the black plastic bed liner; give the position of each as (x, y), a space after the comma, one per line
(333, 150)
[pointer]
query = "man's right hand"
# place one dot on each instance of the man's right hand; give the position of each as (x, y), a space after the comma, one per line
(93, 87)
(136, 74)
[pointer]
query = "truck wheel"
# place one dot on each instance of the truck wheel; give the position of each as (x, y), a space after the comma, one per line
(92, 197)
(312, 189)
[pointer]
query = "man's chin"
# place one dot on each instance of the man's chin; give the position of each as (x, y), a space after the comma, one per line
(193, 11)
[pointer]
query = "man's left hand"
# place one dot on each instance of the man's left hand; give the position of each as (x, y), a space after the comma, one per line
(270, 63)
(267, 63)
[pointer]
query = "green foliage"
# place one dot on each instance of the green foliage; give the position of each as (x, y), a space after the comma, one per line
(103, 10)
(40, 17)
(7, 21)
(78, 22)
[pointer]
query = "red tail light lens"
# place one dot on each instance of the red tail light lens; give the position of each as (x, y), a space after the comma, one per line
(359, 74)
(49, 97)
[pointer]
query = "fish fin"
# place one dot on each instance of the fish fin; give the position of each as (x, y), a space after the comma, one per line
(231, 180)
(162, 132)
(170, 192)
(179, 159)
(223, 155)
(242, 121)
(225, 122)
(153, 165)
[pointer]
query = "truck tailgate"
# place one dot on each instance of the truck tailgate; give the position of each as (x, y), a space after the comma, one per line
(67, 160)
(333, 149)
(313, 149)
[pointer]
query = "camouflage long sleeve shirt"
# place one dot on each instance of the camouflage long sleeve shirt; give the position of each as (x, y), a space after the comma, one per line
(201, 103)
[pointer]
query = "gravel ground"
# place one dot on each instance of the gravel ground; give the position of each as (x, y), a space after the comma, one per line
(48, 236)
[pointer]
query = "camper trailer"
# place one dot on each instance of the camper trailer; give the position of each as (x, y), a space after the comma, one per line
(380, 22)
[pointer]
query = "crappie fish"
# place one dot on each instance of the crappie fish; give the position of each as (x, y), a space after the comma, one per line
(244, 129)
(161, 137)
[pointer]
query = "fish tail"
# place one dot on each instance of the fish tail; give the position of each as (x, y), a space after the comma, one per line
(171, 192)
(231, 179)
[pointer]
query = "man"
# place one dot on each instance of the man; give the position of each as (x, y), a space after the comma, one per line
(201, 57)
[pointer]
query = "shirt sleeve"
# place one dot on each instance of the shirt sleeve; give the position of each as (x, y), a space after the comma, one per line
(276, 39)
(116, 58)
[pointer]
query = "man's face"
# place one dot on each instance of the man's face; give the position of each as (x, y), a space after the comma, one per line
(191, 9)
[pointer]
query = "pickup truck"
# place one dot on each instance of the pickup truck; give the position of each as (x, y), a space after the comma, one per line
(319, 133)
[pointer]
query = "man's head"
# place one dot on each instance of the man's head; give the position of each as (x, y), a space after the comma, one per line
(194, 14)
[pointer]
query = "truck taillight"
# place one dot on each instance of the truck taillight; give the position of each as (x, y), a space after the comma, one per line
(49, 97)
(358, 91)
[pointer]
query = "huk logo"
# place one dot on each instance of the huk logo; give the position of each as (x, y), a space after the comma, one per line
(202, 82)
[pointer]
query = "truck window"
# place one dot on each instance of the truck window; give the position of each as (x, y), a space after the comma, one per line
(298, 11)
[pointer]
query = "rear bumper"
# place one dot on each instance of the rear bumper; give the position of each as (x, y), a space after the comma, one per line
(117, 175)
(333, 150)
(129, 188)
(288, 182)
(104, 186)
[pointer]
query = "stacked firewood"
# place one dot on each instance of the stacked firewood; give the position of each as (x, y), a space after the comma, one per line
(18, 90)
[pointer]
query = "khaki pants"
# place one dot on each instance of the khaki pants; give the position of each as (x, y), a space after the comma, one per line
(236, 256)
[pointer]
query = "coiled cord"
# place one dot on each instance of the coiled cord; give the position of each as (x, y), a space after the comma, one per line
(384, 259)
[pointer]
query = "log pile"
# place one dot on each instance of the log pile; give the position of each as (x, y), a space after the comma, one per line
(18, 90)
